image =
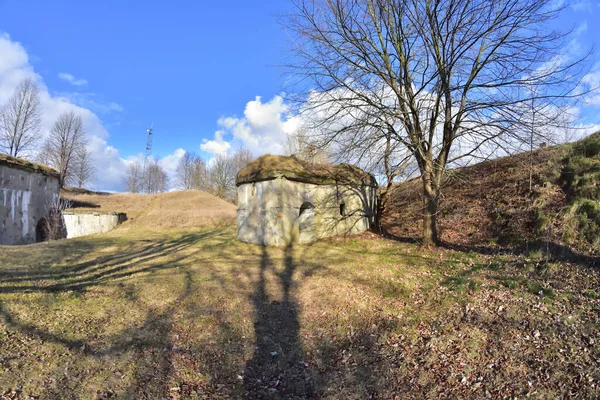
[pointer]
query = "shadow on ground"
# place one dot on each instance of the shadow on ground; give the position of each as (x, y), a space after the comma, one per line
(230, 327)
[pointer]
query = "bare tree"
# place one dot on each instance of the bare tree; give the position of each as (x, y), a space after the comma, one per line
(431, 74)
(20, 119)
(155, 179)
(53, 227)
(222, 172)
(303, 146)
(84, 168)
(133, 177)
(191, 172)
(63, 145)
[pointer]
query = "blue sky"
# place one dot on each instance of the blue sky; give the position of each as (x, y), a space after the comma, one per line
(194, 68)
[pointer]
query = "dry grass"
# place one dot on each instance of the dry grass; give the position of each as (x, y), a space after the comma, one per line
(487, 204)
(194, 313)
(181, 209)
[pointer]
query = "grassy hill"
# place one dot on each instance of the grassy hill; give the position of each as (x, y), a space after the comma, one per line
(172, 306)
(180, 209)
(490, 204)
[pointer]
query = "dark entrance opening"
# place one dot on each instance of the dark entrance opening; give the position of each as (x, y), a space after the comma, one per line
(41, 231)
(305, 206)
(306, 223)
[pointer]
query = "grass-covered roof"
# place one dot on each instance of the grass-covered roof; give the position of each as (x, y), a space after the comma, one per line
(19, 163)
(290, 167)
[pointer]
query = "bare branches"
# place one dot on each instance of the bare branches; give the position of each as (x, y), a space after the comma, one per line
(217, 178)
(84, 167)
(222, 172)
(20, 120)
(303, 146)
(191, 172)
(429, 77)
(62, 147)
(133, 178)
(155, 178)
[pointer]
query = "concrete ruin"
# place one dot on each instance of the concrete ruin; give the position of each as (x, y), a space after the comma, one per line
(284, 200)
(82, 223)
(27, 193)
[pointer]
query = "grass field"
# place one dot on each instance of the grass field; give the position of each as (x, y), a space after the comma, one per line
(148, 311)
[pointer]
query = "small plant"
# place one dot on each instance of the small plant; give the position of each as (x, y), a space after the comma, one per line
(54, 227)
(510, 283)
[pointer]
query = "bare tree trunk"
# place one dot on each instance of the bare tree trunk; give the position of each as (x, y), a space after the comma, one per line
(416, 67)
(430, 234)
(430, 206)
(382, 206)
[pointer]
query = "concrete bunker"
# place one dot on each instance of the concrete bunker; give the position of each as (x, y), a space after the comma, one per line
(283, 200)
(27, 193)
(83, 222)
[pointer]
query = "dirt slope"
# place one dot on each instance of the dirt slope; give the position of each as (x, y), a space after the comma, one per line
(179, 209)
(489, 204)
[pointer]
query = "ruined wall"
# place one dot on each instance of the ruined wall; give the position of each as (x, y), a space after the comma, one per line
(281, 211)
(25, 198)
(88, 223)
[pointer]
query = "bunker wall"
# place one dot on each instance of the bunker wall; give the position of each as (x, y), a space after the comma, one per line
(281, 211)
(25, 198)
(82, 224)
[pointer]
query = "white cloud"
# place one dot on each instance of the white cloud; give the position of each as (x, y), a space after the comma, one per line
(582, 5)
(216, 147)
(591, 81)
(71, 79)
(14, 66)
(169, 163)
(263, 129)
(92, 101)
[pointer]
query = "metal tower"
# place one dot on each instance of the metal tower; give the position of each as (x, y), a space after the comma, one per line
(148, 154)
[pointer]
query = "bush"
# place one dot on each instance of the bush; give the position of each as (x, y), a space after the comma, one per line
(581, 181)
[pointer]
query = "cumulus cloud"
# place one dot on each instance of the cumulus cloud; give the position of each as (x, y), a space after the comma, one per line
(71, 79)
(216, 147)
(263, 129)
(15, 66)
(170, 162)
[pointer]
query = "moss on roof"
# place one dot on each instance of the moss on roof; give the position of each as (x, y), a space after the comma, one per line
(19, 163)
(290, 167)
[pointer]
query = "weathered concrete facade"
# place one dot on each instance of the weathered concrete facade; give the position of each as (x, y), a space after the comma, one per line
(26, 194)
(83, 223)
(279, 210)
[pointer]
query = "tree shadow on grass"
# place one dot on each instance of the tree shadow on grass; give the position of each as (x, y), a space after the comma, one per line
(277, 368)
(99, 270)
(555, 251)
(149, 341)
(280, 363)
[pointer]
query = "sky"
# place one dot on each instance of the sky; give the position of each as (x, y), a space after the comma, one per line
(207, 75)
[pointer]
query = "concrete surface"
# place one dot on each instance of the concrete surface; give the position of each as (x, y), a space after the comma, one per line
(83, 223)
(25, 199)
(278, 212)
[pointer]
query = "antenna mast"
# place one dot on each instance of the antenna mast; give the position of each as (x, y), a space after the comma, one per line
(148, 154)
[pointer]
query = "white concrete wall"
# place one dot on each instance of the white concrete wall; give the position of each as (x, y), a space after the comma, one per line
(25, 198)
(269, 211)
(88, 223)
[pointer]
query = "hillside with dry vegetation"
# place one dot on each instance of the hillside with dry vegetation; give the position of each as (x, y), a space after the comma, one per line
(172, 306)
(490, 205)
(179, 209)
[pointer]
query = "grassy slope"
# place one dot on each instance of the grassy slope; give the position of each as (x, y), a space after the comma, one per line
(181, 209)
(489, 204)
(191, 312)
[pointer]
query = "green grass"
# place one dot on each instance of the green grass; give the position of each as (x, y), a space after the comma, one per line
(192, 313)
